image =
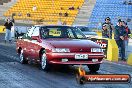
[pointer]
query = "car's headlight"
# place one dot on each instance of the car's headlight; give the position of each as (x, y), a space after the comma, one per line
(96, 50)
(62, 50)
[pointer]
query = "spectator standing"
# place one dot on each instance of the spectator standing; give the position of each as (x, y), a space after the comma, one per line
(19, 14)
(66, 14)
(34, 8)
(28, 14)
(78, 8)
(64, 23)
(60, 14)
(105, 33)
(59, 21)
(8, 26)
(13, 20)
(126, 39)
(109, 25)
(13, 27)
(71, 8)
(120, 34)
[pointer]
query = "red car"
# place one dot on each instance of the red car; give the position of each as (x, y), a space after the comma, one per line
(59, 45)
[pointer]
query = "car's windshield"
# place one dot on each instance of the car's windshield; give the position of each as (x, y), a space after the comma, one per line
(83, 28)
(61, 32)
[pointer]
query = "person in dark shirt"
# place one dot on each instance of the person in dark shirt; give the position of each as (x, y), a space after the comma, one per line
(66, 14)
(126, 39)
(109, 26)
(13, 21)
(8, 26)
(119, 36)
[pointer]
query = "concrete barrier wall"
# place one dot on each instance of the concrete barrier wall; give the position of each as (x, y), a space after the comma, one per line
(20, 29)
(2, 29)
(109, 47)
(112, 50)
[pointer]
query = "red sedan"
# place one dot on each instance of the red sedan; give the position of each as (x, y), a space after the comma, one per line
(59, 45)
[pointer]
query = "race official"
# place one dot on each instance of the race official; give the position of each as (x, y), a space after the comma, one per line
(119, 36)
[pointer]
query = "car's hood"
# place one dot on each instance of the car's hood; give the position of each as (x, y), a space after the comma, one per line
(71, 43)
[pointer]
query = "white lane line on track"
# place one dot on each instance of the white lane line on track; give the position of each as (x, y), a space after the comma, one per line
(120, 64)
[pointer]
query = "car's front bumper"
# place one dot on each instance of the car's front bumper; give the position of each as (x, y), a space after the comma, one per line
(56, 58)
(75, 62)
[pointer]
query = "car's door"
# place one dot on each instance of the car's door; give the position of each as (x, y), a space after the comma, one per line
(27, 41)
(34, 44)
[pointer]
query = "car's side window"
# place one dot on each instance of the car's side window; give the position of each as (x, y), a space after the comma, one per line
(70, 33)
(78, 33)
(29, 33)
(36, 32)
(83, 29)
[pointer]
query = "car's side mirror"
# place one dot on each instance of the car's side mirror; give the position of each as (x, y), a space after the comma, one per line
(89, 38)
(36, 38)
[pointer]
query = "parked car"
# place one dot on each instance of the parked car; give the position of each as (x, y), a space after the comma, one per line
(88, 33)
(59, 45)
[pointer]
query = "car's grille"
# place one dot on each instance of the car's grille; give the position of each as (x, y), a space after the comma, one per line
(80, 60)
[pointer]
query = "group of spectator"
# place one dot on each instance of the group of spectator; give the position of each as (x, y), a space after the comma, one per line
(73, 8)
(65, 14)
(121, 35)
(70, 8)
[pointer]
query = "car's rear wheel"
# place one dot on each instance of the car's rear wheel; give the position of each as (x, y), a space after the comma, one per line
(44, 62)
(93, 67)
(22, 58)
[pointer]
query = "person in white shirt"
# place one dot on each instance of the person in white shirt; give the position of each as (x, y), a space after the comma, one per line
(34, 8)
(59, 21)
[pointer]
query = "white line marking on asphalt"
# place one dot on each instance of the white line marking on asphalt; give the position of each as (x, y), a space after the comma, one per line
(124, 65)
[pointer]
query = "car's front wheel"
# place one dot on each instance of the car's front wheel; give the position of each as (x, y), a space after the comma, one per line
(94, 67)
(22, 58)
(44, 62)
